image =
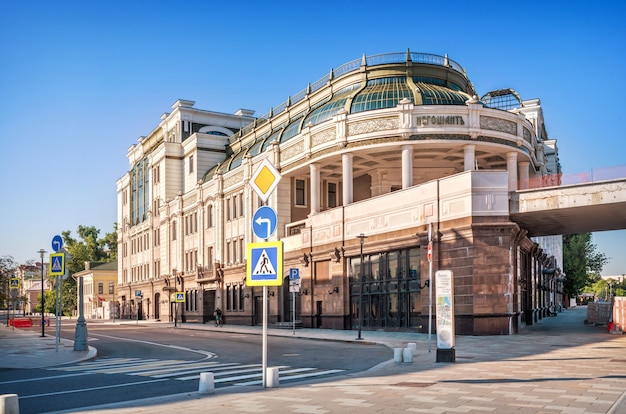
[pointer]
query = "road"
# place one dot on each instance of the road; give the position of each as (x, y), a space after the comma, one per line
(137, 361)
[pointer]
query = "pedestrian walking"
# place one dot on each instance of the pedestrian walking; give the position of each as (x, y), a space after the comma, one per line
(218, 317)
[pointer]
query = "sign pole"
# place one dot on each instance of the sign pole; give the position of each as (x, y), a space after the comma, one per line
(264, 336)
(263, 181)
(293, 314)
(430, 285)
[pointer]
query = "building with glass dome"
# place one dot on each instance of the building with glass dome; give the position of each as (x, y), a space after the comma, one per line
(374, 156)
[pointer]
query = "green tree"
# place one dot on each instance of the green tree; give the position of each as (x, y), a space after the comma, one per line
(86, 248)
(7, 270)
(49, 302)
(580, 262)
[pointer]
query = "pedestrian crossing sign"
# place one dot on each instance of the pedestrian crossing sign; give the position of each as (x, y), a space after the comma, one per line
(179, 297)
(57, 264)
(264, 264)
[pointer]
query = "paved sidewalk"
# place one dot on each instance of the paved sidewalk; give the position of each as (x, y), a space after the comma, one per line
(559, 365)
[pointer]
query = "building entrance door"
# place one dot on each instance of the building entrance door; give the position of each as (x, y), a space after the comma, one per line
(208, 305)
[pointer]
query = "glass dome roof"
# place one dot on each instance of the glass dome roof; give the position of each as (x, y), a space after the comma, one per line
(382, 93)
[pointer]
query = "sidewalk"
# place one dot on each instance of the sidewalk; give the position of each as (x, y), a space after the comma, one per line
(559, 365)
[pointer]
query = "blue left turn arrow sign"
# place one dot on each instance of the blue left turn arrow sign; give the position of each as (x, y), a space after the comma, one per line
(264, 222)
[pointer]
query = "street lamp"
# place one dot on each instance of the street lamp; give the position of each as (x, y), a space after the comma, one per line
(42, 252)
(361, 238)
(175, 301)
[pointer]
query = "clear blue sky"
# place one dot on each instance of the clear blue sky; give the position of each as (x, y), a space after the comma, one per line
(81, 81)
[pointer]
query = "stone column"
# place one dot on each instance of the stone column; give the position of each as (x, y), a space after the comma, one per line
(407, 166)
(470, 161)
(346, 170)
(315, 188)
(511, 167)
(523, 175)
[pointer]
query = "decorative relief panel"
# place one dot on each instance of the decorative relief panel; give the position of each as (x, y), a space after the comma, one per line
(292, 151)
(527, 135)
(233, 180)
(373, 125)
(326, 135)
(189, 201)
(497, 124)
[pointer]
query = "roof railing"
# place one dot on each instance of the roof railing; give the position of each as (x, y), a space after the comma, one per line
(374, 60)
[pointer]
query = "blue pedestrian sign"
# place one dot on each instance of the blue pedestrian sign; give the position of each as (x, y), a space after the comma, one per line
(57, 264)
(264, 264)
(264, 222)
(57, 243)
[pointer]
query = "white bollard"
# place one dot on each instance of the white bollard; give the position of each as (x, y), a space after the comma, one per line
(272, 378)
(413, 347)
(397, 354)
(206, 386)
(407, 355)
(9, 404)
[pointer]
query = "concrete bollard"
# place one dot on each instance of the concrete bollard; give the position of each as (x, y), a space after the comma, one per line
(413, 347)
(272, 378)
(407, 355)
(9, 404)
(397, 354)
(206, 385)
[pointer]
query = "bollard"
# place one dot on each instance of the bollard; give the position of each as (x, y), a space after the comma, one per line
(407, 355)
(273, 380)
(397, 354)
(413, 347)
(206, 385)
(9, 404)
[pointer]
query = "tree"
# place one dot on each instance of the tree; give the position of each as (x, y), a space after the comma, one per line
(7, 270)
(50, 303)
(87, 248)
(580, 262)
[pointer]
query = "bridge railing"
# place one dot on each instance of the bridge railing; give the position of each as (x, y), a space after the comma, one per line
(594, 175)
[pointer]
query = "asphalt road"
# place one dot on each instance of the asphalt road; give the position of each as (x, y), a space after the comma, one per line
(137, 362)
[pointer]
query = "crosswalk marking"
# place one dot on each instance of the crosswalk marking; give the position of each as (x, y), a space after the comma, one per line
(224, 373)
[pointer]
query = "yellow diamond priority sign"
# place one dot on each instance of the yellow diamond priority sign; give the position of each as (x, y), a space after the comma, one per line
(265, 179)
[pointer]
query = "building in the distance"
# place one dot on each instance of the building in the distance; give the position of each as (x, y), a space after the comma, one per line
(99, 290)
(370, 156)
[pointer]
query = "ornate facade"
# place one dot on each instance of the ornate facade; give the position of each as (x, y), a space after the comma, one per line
(375, 152)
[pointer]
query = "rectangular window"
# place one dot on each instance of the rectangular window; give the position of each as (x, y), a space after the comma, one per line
(234, 206)
(174, 230)
(156, 175)
(111, 288)
(227, 209)
(100, 288)
(332, 195)
(190, 164)
(241, 297)
(242, 249)
(300, 193)
(229, 298)
(209, 216)
(241, 204)
(209, 256)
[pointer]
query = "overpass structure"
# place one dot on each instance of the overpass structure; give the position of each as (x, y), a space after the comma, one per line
(571, 209)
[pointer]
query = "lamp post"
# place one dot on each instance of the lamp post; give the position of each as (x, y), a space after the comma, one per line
(42, 252)
(361, 238)
(175, 301)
